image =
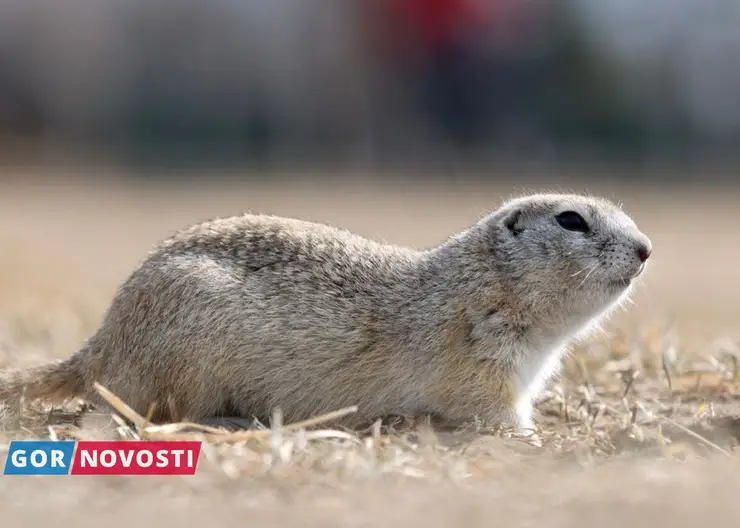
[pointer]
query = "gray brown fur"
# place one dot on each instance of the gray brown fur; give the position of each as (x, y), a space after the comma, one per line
(239, 316)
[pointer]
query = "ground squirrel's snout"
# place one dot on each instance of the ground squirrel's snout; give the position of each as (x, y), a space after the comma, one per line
(643, 248)
(643, 251)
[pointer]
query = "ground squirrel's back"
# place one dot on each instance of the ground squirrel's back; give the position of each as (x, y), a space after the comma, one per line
(257, 306)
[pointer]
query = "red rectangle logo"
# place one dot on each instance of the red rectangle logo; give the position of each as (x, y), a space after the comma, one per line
(136, 458)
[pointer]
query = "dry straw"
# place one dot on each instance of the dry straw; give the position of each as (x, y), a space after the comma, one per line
(178, 431)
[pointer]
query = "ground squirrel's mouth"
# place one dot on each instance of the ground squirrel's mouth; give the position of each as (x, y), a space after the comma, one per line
(626, 281)
(622, 283)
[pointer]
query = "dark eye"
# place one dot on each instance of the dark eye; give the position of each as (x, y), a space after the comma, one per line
(572, 221)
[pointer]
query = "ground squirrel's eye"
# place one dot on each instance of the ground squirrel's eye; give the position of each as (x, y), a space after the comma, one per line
(572, 221)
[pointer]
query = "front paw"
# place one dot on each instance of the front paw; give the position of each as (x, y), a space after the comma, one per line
(527, 429)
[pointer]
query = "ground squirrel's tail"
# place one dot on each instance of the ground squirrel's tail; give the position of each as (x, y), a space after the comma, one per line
(52, 382)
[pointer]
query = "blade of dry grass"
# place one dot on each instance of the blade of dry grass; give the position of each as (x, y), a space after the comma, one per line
(119, 405)
(213, 434)
(686, 430)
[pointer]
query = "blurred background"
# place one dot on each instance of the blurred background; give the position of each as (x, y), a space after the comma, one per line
(405, 120)
(370, 81)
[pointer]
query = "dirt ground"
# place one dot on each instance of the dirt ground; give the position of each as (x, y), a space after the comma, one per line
(624, 442)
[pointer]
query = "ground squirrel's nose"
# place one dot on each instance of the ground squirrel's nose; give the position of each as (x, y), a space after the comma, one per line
(644, 251)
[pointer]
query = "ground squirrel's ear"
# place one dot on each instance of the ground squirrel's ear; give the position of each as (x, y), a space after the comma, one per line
(512, 221)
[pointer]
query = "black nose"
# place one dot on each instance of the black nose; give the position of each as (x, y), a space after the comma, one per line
(643, 252)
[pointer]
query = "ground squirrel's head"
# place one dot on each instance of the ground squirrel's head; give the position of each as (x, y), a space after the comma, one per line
(568, 255)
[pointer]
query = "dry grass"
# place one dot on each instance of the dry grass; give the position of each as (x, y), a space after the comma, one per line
(638, 396)
(642, 429)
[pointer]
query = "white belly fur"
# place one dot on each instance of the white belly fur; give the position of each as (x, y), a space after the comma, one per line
(534, 370)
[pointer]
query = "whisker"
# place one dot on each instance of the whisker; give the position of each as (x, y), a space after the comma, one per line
(593, 268)
(590, 269)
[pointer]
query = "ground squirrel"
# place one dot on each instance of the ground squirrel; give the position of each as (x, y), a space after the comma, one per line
(239, 316)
